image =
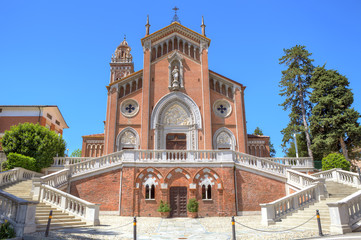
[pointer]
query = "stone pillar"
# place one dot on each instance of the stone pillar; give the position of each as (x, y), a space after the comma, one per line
(241, 120)
(144, 136)
(207, 108)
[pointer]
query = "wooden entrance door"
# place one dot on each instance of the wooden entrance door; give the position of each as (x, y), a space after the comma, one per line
(176, 141)
(178, 201)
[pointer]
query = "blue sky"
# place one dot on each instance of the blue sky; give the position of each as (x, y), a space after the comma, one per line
(58, 52)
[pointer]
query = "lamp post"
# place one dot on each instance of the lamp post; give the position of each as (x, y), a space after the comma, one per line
(295, 138)
(67, 152)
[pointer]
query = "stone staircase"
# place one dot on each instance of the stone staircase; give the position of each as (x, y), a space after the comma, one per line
(337, 191)
(60, 220)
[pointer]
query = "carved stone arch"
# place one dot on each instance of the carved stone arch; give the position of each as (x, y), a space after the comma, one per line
(208, 176)
(176, 101)
(127, 138)
(175, 60)
(223, 138)
(149, 175)
(170, 177)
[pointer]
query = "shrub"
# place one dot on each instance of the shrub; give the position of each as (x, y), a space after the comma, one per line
(164, 207)
(6, 230)
(34, 141)
(18, 160)
(335, 160)
(192, 205)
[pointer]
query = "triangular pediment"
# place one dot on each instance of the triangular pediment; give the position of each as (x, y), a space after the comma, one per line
(176, 28)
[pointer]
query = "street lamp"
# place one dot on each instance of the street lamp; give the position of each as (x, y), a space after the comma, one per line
(295, 138)
(67, 152)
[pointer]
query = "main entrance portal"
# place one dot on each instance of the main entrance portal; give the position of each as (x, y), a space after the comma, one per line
(176, 141)
(178, 201)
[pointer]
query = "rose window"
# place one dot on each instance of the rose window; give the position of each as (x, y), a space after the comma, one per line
(129, 108)
(222, 108)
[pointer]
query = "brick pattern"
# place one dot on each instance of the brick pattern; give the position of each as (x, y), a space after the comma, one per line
(252, 190)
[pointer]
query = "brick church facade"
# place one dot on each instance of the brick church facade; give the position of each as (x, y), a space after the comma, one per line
(182, 125)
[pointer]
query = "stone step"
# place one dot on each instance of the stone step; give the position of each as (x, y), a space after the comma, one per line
(46, 216)
(58, 221)
(43, 228)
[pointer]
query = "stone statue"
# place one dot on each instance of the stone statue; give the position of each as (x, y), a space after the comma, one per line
(175, 81)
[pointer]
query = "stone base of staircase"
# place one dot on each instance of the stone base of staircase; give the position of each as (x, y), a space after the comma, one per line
(337, 191)
(59, 220)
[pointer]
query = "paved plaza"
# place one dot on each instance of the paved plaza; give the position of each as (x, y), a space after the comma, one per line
(117, 227)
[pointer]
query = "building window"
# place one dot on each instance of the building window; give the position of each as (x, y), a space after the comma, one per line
(129, 108)
(149, 192)
(206, 192)
(49, 116)
(57, 122)
(222, 108)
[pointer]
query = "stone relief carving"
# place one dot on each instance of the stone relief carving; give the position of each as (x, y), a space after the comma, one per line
(224, 139)
(128, 138)
(175, 82)
(176, 115)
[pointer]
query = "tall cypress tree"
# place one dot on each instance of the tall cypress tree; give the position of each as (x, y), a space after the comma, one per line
(294, 86)
(334, 125)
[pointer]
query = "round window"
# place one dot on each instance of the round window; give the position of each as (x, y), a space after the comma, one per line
(129, 108)
(222, 108)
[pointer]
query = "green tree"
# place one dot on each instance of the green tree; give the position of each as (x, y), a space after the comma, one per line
(294, 86)
(301, 146)
(335, 160)
(76, 153)
(272, 149)
(33, 141)
(258, 131)
(334, 123)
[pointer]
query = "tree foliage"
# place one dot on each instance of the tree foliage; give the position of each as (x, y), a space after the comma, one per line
(18, 160)
(33, 141)
(272, 149)
(294, 86)
(301, 146)
(334, 125)
(76, 153)
(335, 160)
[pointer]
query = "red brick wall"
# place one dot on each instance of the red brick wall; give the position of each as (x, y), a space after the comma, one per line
(254, 189)
(7, 122)
(103, 189)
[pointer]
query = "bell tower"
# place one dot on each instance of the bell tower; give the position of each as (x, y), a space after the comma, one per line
(122, 62)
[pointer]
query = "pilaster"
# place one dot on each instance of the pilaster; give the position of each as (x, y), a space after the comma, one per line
(206, 109)
(144, 137)
(241, 120)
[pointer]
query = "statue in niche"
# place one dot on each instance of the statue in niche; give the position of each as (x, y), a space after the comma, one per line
(175, 76)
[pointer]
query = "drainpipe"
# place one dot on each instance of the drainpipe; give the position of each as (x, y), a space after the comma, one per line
(235, 187)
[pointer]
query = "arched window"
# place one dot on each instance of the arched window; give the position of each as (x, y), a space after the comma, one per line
(206, 192)
(149, 192)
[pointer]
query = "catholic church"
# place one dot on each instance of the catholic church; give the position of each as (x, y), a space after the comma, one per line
(180, 129)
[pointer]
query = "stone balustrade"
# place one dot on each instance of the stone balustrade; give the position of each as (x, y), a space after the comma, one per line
(19, 212)
(340, 176)
(95, 163)
(80, 208)
(62, 161)
(56, 179)
(303, 163)
(345, 214)
(301, 180)
(16, 175)
(274, 211)
(260, 163)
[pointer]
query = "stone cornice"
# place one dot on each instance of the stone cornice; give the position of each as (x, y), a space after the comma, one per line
(129, 77)
(176, 27)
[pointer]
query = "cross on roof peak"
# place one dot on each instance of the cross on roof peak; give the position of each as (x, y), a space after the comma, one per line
(175, 18)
